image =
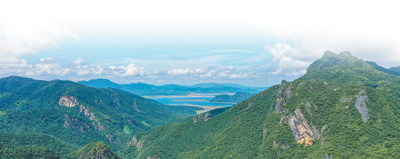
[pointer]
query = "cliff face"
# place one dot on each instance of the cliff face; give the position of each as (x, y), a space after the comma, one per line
(361, 105)
(302, 132)
(68, 101)
(202, 117)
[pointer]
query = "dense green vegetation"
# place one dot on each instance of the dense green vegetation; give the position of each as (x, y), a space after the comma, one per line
(237, 97)
(342, 108)
(144, 89)
(32, 146)
(29, 107)
(94, 150)
(351, 108)
(392, 70)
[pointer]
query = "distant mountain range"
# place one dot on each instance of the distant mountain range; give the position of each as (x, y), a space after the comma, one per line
(144, 89)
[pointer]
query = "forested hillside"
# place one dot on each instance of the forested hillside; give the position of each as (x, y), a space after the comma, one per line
(75, 114)
(342, 107)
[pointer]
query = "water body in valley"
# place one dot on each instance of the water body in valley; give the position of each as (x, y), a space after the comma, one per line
(194, 99)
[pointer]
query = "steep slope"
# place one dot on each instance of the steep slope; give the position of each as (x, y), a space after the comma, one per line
(342, 108)
(345, 69)
(79, 114)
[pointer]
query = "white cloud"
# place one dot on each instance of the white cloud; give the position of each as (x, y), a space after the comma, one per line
(89, 70)
(19, 39)
(128, 70)
(289, 61)
(180, 71)
(78, 61)
(212, 72)
(240, 75)
(368, 30)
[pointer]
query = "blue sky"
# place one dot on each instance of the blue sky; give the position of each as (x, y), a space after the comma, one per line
(255, 43)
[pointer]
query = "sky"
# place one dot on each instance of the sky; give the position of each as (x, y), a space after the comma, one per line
(255, 43)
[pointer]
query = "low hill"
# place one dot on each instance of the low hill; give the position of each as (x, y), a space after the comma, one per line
(237, 97)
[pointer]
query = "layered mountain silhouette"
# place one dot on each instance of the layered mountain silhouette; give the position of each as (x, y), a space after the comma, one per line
(144, 89)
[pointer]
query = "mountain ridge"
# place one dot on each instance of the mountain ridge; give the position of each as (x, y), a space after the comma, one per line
(340, 109)
(77, 113)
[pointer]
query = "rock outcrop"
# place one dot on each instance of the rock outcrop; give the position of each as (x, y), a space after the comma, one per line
(361, 105)
(136, 107)
(203, 117)
(86, 112)
(76, 123)
(68, 101)
(301, 130)
(135, 142)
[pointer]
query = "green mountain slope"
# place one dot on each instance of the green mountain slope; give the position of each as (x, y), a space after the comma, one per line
(32, 146)
(346, 69)
(79, 114)
(97, 150)
(342, 108)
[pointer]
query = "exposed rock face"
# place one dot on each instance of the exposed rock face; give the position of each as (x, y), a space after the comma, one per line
(75, 123)
(203, 117)
(283, 92)
(344, 99)
(116, 101)
(68, 101)
(110, 138)
(279, 101)
(361, 105)
(136, 107)
(302, 132)
(139, 145)
(153, 157)
(283, 82)
(135, 142)
(308, 106)
(87, 112)
(98, 126)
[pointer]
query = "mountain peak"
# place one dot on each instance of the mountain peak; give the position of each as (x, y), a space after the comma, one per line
(344, 68)
(345, 53)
